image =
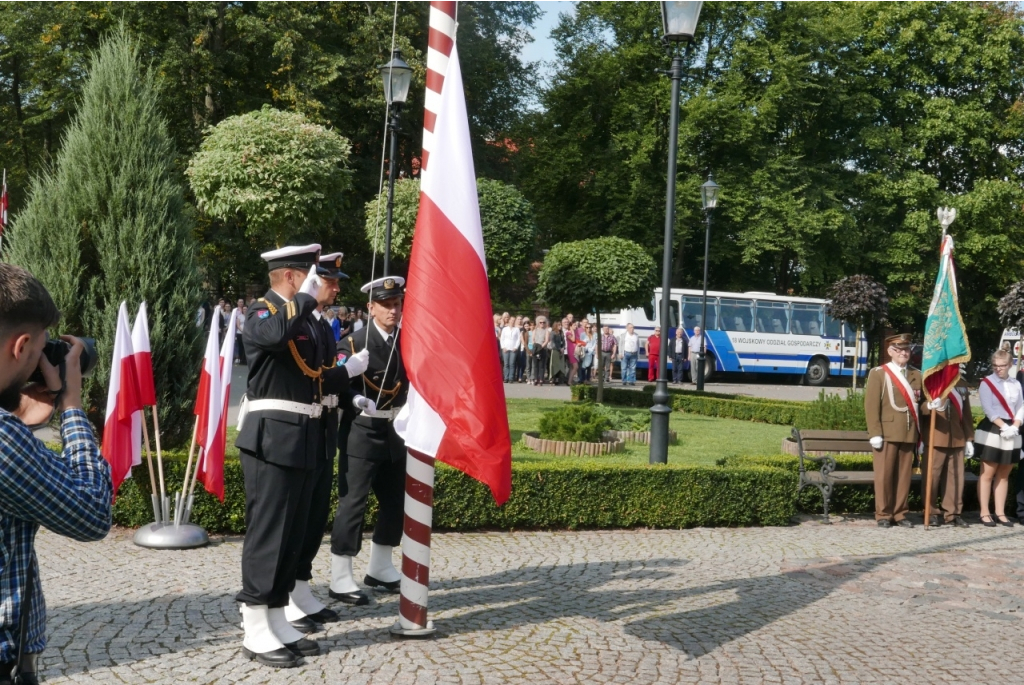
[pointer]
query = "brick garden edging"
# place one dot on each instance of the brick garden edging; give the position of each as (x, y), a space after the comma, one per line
(643, 437)
(572, 449)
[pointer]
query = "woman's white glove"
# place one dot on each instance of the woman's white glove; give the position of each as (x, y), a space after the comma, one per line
(936, 405)
(311, 286)
(365, 404)
(877, 442)
(357, 363)
(969, 449)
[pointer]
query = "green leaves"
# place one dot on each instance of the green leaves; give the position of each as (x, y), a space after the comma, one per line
(275, 169)
(597, 274)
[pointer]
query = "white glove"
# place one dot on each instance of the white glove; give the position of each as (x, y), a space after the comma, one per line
(969, 449)
(357, 363)
(1008, 431)
(877, 442)
(311, 286)
(365, 404)
(936, 405)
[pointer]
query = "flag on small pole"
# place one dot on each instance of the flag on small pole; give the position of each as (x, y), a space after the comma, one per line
(142, 358)
(3, 210)
(945, 342)
(456, 406)
(206, 397)
(122, 402)
(213, 441)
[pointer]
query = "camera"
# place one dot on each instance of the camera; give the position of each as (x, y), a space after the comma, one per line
(56, 350)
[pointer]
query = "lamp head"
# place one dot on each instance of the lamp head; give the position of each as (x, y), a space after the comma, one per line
(709, 192)
(397, 77)
(679, 20)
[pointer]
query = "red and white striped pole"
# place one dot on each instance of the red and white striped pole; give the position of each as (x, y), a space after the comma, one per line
(419, 470)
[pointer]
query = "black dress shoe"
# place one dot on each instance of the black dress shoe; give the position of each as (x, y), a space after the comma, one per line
(935, 520)
(988, 524)
(325, 615)
(304, 647)
(960, 523)
(279, 658)
(357, 598)
(884, 523)
(1004, 522)
(904, 523)
(374, 583)
(305, 625)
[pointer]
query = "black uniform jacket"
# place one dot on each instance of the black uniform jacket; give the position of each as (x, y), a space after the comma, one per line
(281, 437)
(369, 438)
(346, 394)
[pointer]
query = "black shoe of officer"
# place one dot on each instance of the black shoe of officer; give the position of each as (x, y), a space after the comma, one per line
(935, 520)
(325, 615)
(960, 523)
(904, 523)
(392, 586)
(305, 625)
(357, 598)
(304, 647)
(884, 523)
(278, 658)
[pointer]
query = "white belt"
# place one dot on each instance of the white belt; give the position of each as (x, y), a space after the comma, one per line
(311, 410)
(388, 414)
(330, 401)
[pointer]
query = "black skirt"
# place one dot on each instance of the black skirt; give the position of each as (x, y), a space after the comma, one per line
(990, 446)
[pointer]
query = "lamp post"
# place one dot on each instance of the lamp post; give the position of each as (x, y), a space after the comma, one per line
(397, 77)
(709, 200)
(679, 22)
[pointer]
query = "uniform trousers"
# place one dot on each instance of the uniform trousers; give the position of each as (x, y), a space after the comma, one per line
(948, 480)
(893, 466)
(277, 500)
(319, 513)
(387, 480)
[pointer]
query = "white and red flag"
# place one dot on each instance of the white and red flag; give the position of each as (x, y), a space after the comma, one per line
(3, 206)
(212, 409)
(119, 446)
(143, 361)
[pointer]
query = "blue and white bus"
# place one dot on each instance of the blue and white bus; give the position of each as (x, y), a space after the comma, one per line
(754, 332)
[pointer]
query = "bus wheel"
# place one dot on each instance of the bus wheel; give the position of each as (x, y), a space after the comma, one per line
(709, 366)
(817, 372)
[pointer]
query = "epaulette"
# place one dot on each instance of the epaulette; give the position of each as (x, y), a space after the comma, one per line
(270, 305)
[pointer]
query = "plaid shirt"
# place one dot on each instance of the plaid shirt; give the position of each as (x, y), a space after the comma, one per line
(69, 493)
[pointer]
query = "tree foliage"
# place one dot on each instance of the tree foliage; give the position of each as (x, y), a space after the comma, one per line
(1011, 307)
(858, 300)
(506, 218)
(597, 274)
(110, 223)
(276, 169)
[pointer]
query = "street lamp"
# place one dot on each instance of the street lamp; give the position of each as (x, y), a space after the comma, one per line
(709, 200)
(679, 23)
(397, 77)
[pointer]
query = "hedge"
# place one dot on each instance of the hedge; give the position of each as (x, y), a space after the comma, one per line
(780, 412)
(546, 495)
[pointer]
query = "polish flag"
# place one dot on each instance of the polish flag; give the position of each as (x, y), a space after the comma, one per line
(456, 407)
(122, 401)
(212, 408)
(3, 205)
(143, 361)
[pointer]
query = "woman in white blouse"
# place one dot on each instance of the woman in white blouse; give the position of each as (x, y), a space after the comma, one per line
(997, 440)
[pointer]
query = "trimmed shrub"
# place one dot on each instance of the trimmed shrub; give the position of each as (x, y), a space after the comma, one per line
(575, 423)
(546, 495)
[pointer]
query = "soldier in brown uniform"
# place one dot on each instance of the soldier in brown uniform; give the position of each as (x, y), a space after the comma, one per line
(893, 426)
(954, 437)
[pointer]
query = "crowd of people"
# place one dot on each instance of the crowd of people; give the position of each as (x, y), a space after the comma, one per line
(565, 352)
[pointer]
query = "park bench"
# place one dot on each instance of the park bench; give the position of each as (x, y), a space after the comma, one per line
(836, 442)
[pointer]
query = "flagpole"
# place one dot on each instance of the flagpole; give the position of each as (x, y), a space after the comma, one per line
(928, 471)
(160, 467)
(419, 513)
(179, 499)
(152, 476)
(192, 488)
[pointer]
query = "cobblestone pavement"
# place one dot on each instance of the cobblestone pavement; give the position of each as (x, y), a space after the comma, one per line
(809, 603)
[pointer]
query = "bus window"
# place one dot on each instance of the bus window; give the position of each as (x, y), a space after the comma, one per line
(737, 315)
(806, 319)
(692, 307)
(849, 334)
(673, 312)
(649, 310)
(772, 317)
(833, 327)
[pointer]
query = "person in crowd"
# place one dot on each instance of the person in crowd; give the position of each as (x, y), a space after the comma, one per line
(344, 323)
(890, 406)
(332, 319)
(522, 370)
(517, 368)
(559, 367)
(998, 437)
(589, 355)
(696, 340)
(954, 435)
(357, 323)
(609, 348)
(541, 350)
(679, 351)
(239, 328)
(69, 493)
(510, 341)
(653, 350)
(581, 352)
(223, 314)
(630, 351)
(569, 331)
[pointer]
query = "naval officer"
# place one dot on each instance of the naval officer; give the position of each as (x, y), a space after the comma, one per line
(375, 453)
(281, 442)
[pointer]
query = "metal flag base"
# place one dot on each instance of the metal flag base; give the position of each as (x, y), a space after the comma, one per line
(413, 633)
(170, 536)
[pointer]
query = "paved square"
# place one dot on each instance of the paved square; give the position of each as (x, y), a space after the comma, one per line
(844, 603)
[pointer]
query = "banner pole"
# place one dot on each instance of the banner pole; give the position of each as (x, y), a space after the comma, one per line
(192, 488)
(160, 467)
(154, 494)
(419, 512)
(180, 497)
(927, 473)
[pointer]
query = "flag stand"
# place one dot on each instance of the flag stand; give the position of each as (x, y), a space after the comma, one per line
(419, 512)
(163, 534)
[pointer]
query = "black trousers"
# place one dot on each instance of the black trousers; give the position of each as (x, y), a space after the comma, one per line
(319, 513)
(387, 480)
(277, 503)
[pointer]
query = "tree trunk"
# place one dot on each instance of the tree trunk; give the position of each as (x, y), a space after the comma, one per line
(856, 356)
(600, 360)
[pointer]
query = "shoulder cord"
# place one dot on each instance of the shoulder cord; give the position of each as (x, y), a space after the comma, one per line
(892, 399)
(306, 371)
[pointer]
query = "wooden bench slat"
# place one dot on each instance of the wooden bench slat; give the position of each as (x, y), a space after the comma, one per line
(834, 435)
(844, 446)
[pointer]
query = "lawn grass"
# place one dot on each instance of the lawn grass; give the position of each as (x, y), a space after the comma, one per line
(702, 439)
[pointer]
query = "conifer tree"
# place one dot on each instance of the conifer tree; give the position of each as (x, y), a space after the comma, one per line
(109, 223)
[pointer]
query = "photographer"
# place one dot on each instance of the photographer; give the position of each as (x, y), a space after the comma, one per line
(69, 493)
